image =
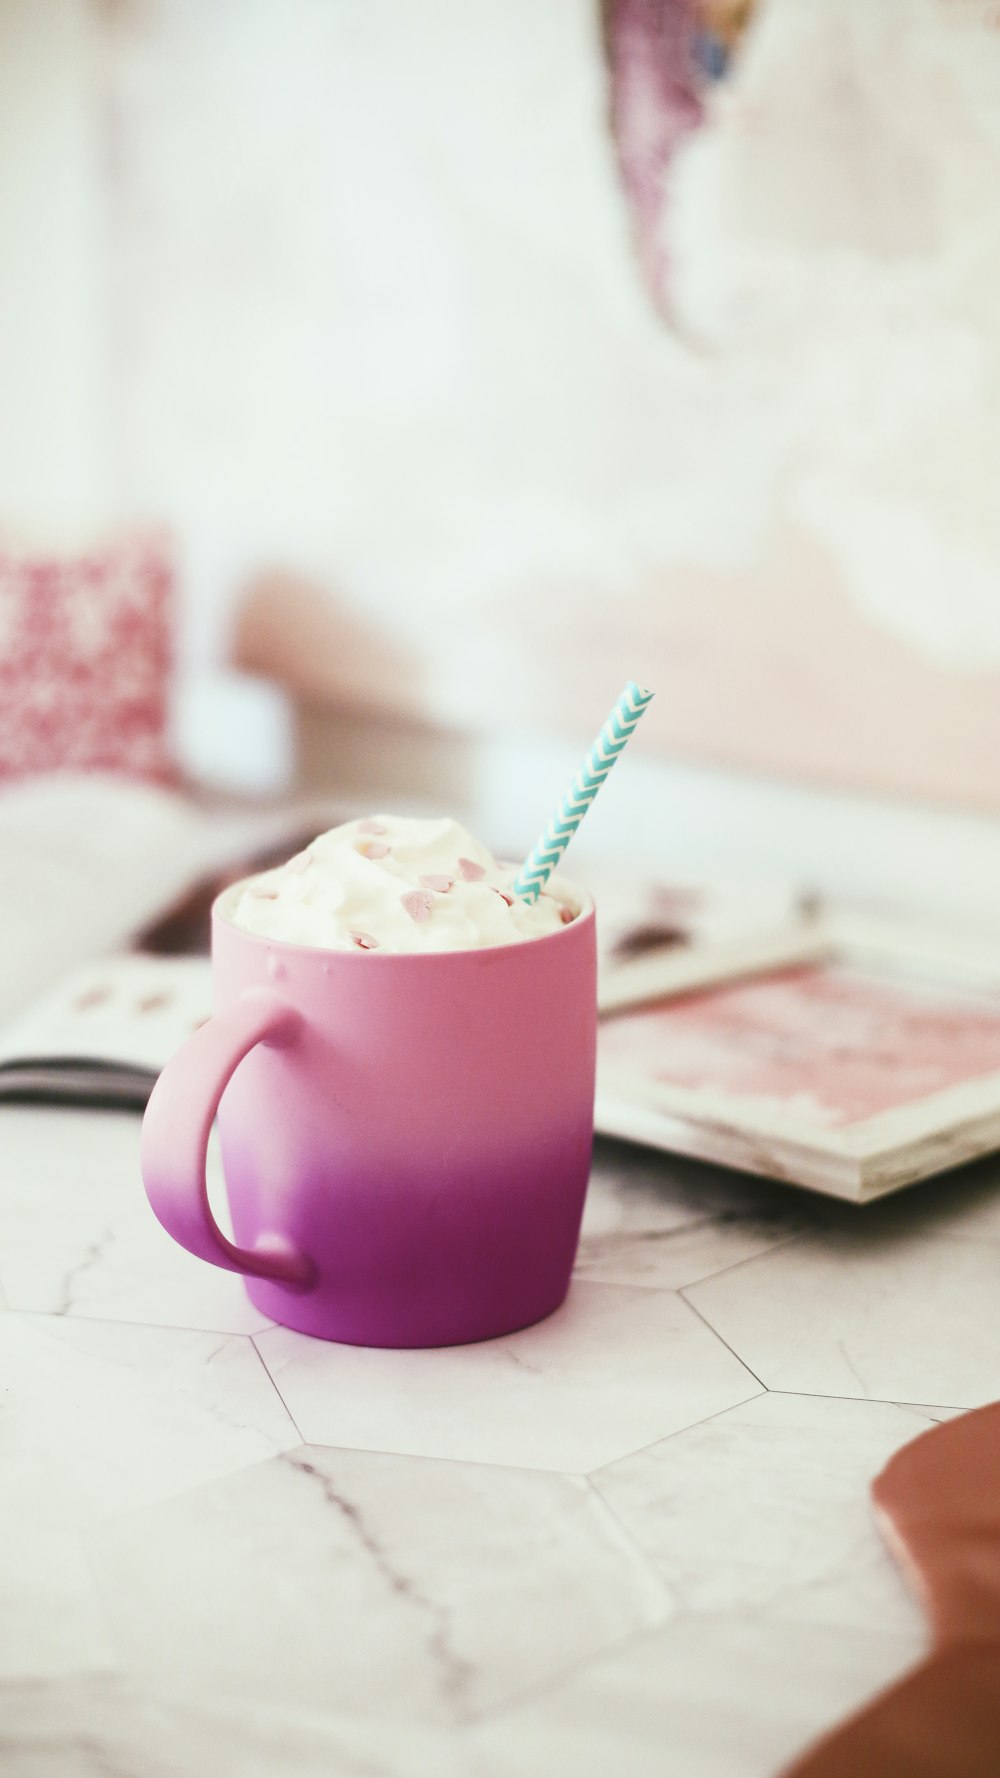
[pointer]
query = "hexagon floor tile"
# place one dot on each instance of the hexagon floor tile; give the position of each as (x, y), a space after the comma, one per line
(765, 1509)
(52, 1618)
(393, 1586)
(662, 1221)
(161, 1521)
(101, 1418)
(613, 1370)
(866, 1311)
(702, 1698)
(113, 1728)
(83, 1240)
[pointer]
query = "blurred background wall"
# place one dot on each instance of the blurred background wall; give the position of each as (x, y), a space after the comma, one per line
(480, 355)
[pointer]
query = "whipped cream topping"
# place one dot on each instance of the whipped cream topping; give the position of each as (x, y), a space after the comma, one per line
(396, 883)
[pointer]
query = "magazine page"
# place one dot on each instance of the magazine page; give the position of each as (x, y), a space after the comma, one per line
(104, 1032)
(83, 861)
(90, 864)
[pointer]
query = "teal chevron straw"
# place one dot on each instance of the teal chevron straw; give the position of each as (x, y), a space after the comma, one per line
(560, 827)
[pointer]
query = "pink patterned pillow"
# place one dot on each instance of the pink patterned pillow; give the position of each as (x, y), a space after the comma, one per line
(85, 658)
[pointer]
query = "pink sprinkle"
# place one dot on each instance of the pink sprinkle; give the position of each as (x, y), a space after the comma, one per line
(374, 849)
(440, 883)
(566, 915)
(371, 827)
(266, 894)
(509, 899)
(363, 940)
(418, 903)
(469, 871)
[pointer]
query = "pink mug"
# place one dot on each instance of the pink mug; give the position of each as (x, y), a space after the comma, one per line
(406, 1138)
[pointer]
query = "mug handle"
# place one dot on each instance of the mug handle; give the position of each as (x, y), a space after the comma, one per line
(177, 1126)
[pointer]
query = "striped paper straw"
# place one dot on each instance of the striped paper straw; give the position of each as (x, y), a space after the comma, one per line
(560, 827)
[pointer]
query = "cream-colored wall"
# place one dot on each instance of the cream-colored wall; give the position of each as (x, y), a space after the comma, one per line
(55, 370)
(681, 821)
(348, 289)
(386, 325)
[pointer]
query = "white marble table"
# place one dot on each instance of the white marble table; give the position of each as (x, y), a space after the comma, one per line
(632, 1539)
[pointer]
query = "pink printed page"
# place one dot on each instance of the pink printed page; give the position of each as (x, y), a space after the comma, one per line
(832, 1044)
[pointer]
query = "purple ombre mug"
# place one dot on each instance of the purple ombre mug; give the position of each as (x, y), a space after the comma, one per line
(406, 1138)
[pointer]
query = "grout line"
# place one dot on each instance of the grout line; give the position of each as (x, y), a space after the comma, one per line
(75, 1319)
(539, 1689)
(640, 1284)
(295, 1425)
(678, 1432)
(107, 1599)
(775, 1247)
(487, 1463)
(482, 1721)
(698, 1221)
(592, 1475)
(649, 1564)
(643, 1556)
(753, 1259)
(714, 1330)
(878, 1401)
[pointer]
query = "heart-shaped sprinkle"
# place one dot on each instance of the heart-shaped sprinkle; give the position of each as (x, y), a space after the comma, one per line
(374, 849)
(469, 871)
(363, 940)
(566, 915)
(440, 884)
(509, 899)
(371, 827)
(418, 903)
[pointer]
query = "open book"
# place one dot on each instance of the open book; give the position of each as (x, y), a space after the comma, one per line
(105, 892)
(102, 1035)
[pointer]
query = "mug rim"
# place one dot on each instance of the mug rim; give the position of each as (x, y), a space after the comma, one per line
(585, 913)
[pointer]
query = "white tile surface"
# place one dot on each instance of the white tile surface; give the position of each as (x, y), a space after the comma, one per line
(634, 1188)
(52, 1619)
(668, 1259)
(661, 1221)
(611, 1371)
(393, 1586)
(703, 1698)
(765, 1509)
(100, 1418)
(112, 1728)
(866, 1311)
(181, 1596)
(78, 1238)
